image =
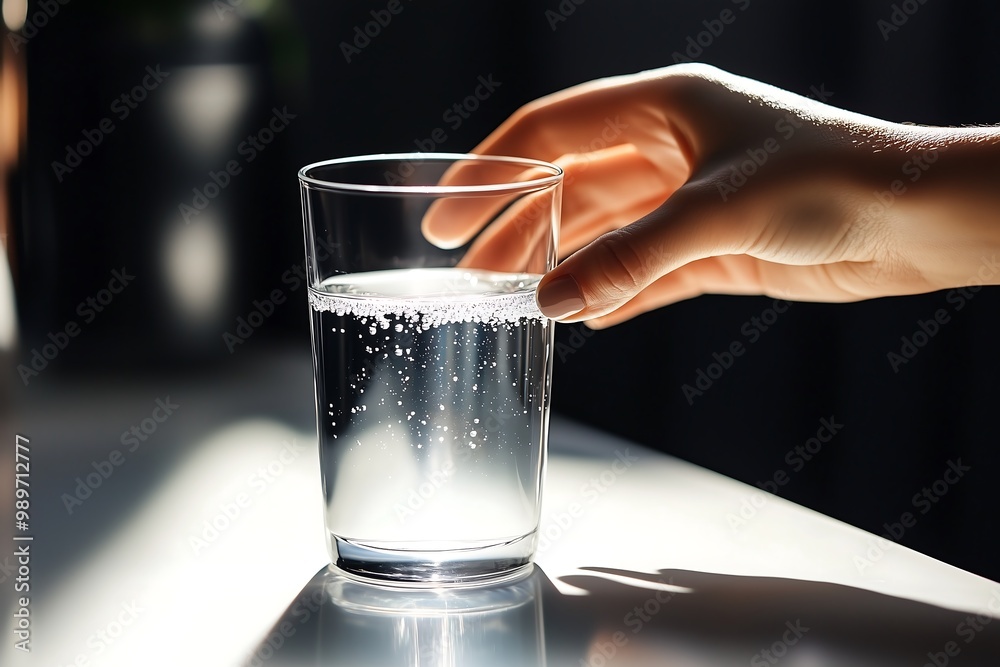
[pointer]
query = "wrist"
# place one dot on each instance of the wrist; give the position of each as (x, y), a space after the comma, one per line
(945, 209)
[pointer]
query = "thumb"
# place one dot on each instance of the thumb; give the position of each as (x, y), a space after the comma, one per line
(615, 267)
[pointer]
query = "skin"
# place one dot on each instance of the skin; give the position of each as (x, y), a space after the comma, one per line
(689, 180)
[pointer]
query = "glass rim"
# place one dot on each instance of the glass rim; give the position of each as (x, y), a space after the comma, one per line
(492, 188)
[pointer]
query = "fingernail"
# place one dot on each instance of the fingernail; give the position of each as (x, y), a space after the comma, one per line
(560, 298)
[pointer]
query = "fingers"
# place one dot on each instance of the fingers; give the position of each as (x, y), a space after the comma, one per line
(604, 190)
(516, 241)
(452, 222)
(584, 120)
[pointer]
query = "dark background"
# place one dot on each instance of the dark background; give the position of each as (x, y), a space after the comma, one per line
(231, 65)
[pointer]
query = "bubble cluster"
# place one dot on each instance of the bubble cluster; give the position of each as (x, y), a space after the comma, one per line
(379, 312)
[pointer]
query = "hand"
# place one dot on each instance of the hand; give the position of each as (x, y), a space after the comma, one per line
(688, 180)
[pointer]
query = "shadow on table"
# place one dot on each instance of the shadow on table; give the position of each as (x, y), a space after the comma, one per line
(676, 617)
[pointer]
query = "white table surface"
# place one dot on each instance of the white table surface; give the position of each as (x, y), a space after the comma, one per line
(657, 529)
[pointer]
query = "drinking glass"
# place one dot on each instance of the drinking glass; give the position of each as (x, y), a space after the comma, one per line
(432, 362)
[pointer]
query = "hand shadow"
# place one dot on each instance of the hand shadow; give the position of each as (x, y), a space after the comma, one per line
(736, 620)
(678, 618)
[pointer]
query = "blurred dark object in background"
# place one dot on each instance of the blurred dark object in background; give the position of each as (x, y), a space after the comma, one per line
(153, 153)
(193, 193)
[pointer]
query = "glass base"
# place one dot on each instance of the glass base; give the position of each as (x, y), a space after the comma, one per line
(480, 564)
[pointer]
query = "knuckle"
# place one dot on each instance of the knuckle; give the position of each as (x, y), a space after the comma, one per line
(625, 270)
(527, 117)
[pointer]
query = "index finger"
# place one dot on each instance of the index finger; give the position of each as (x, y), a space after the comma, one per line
(451, 222)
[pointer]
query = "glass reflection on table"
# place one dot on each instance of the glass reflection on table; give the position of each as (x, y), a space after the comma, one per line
(339, 620)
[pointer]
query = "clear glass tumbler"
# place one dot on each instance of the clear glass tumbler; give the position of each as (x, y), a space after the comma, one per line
(432, 362)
